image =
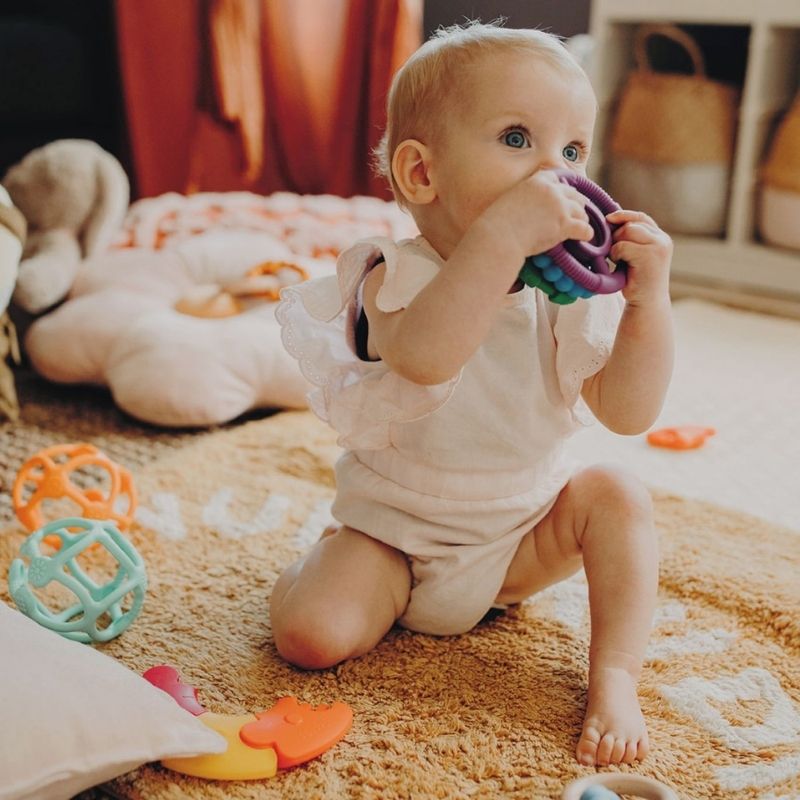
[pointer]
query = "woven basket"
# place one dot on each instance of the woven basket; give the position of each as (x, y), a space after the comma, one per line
(672, 140)
(9, 351)
(779, 207)
(782, 165)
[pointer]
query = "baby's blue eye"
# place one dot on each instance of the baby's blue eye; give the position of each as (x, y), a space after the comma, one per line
(515, 139)
(571, 153)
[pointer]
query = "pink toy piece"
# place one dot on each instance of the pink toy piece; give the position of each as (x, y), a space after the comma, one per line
(168, 679)
(296, 731)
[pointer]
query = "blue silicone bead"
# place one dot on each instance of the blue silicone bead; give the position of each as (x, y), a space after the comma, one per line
(552, 273)
(542, 260)
(565, 283)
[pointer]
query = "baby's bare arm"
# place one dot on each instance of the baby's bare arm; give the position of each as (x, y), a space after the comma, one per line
(431, 340)
(627, 394)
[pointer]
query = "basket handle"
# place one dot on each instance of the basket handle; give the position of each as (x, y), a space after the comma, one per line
(676, 34)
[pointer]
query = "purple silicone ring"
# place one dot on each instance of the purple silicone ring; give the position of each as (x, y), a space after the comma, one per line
(585, 262)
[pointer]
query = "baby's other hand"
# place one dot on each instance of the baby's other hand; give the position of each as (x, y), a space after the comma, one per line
(648, 252)
(540, 212)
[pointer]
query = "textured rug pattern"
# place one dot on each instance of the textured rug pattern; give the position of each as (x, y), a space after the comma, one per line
(54, 414)
(491, 714)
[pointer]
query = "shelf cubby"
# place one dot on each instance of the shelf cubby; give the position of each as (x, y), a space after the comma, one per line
(755, 46)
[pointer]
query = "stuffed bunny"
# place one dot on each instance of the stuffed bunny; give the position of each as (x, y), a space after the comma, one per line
(74, 196)
(12, 236)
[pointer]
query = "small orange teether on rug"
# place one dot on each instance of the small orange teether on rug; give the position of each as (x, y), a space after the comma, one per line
(680, 437)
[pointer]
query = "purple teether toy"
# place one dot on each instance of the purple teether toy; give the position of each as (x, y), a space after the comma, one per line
(576, 269)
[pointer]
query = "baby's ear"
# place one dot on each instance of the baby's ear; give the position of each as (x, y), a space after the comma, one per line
(410, 164)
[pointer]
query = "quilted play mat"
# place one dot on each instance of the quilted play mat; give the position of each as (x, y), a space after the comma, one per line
(491, 714)
(177, 319)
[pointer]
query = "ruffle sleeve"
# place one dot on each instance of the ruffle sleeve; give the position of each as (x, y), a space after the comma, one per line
(359, 399)
(584, 333)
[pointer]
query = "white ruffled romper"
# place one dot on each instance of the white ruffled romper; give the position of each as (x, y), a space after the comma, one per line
(453, 475)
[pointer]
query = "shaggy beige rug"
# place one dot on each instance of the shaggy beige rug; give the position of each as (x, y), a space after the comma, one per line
(491, 714)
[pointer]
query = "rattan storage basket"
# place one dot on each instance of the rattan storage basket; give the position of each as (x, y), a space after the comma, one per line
(779, 206)
(672, 140)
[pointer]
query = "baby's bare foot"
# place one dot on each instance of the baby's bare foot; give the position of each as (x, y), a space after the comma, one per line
(614, 731)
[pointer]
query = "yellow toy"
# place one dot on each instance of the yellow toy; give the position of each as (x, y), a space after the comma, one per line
(238, 763)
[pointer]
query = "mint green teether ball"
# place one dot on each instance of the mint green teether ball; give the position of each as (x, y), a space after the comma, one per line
(99, 614)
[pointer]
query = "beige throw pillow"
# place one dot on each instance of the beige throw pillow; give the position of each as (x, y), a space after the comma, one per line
(71, 717)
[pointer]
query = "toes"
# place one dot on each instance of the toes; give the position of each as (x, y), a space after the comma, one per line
(599, 747)
(618, 751)
(586, 751)
(604, 749)
(643, 749)
(631, 752)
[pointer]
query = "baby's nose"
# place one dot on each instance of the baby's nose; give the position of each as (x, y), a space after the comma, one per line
(550, 162)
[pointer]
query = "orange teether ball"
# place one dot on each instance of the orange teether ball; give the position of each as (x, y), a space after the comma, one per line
(47, 476)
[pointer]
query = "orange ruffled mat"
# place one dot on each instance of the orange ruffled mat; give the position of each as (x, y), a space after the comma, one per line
(491, 714)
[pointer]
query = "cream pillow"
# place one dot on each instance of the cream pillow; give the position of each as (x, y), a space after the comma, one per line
(71, 717)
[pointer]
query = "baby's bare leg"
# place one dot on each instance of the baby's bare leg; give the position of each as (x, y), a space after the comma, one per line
(603, 519)
(339, 600)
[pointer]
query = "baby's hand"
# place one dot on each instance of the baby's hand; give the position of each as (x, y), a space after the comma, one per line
(540, 212)
(648, 252)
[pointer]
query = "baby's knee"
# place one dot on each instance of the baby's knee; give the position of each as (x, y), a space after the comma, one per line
(612, 489)
(316, 640)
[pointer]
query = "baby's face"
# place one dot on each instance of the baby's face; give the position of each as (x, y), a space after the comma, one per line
(516, 115)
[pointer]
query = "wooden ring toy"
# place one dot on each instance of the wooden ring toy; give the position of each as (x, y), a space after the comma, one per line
(636, 785)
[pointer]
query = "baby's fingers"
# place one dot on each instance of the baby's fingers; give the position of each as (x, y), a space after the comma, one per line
(579, 229)
(624, 215)
(638, 253)
(636, 232)
(631, 252)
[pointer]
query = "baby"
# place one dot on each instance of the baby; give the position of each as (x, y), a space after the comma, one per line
(454, 387)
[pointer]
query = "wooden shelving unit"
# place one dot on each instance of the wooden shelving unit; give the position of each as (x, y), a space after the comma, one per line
(737, 264)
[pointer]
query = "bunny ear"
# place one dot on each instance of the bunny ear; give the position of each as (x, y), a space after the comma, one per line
(111, 203)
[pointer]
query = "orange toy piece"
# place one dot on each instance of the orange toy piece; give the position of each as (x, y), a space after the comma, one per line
(297, 731)
(681, 437)
(47, 476)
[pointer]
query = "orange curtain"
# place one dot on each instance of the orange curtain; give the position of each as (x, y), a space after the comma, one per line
(260, 95)
(159, 58)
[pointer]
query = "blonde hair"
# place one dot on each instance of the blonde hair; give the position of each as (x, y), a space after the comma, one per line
(429, 79)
